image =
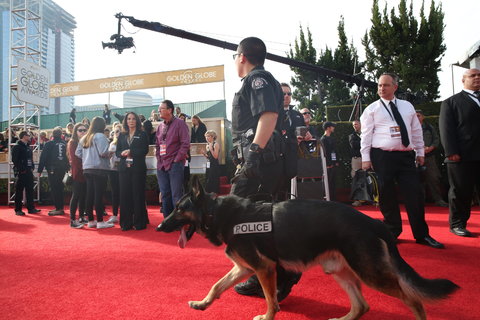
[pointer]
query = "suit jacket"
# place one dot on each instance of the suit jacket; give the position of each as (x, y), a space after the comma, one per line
(460, 127)
(138, 150)
(198, 134)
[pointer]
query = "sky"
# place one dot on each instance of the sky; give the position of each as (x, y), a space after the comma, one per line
(277, 23)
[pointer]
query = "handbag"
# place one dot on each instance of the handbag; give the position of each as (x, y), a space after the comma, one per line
(67, 179)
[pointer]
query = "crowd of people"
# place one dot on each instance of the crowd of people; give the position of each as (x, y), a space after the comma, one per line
(88, 155)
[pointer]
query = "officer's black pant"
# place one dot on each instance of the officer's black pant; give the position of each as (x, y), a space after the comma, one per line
(79, 190)
(399, 166)
(267, 187)
(96, 185)
(55, 181)
(133, 210)
(24, 182)
(115, 190)
(462, 176)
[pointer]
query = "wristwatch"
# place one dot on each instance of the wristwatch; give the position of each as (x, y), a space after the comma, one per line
(255, 148)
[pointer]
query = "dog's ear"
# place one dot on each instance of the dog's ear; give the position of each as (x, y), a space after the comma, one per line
(197, 188)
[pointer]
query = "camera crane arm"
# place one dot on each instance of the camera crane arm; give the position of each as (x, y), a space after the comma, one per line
(158, 27)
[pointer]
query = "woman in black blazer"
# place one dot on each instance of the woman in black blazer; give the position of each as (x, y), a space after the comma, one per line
(132, 148)
(198, 130)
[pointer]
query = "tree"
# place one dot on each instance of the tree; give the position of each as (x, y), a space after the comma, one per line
(313, 90)
(411, 49)
(344, 59)
(305, 82)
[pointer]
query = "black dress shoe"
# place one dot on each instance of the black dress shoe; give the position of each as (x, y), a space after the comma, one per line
(429, 241)
(19, 213)
(34, 211)
(462, 232)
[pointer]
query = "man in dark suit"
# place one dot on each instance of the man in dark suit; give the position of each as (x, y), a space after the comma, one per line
(460, 136)
(291, 119)
(392, 144)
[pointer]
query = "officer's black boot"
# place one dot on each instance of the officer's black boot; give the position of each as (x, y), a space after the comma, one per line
(285, 284)
(251, 287)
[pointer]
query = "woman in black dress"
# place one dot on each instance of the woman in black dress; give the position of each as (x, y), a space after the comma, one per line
(132, 148)
(213, 168)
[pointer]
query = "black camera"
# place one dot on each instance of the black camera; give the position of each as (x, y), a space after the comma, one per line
(119, 43)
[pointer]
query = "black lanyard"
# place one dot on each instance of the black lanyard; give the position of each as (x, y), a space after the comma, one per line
(385, 106)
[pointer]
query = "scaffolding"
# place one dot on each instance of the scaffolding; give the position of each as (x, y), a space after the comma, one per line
(25, 44)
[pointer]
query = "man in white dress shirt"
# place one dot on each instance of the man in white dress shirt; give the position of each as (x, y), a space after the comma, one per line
(392, 145)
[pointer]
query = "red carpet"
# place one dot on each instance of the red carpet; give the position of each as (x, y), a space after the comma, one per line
(50, 271)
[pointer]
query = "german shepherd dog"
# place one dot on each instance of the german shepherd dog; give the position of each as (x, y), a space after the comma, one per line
(298, 234)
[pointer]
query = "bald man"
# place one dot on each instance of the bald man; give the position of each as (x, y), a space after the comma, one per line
(460, 136)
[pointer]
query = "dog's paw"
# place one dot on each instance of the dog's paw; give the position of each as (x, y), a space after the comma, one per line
(197, 305)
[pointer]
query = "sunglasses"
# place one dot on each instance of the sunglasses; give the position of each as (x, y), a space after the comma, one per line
(306, 113)
(287, 93)
(82, 130)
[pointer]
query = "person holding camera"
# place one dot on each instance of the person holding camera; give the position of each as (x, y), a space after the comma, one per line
(212, 152)
(54, 160)
(256, 130)
(392, 145)
(132, 148)
(23, 166)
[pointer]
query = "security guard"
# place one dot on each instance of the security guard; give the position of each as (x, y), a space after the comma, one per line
(257, 141)
(54, 159)
(23, 166)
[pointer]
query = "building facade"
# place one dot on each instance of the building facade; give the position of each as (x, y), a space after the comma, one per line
(57, 53)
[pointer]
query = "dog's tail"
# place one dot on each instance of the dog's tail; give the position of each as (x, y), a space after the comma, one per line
(416, 286)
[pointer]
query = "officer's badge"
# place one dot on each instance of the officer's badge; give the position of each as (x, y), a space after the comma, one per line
(259, 83)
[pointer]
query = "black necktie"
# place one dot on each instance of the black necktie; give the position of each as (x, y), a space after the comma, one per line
(401, 124)
(287, 120)
(477, 94)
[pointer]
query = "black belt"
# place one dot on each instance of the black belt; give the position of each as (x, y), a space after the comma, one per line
(392, 151)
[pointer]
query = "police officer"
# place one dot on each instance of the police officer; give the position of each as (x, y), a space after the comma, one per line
(23, 167)
(256, 137)
(54, 159)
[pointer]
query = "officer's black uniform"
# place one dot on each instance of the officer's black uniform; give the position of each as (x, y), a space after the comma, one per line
(260, 92)
(54, 160)
(23, 166)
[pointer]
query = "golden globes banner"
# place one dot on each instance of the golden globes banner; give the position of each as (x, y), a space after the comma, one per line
(140, 81)
(32, 83)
